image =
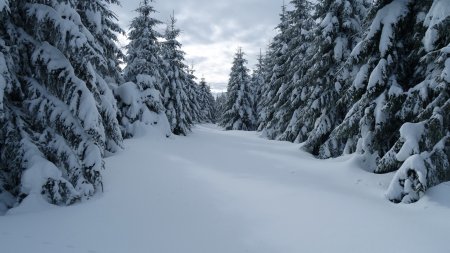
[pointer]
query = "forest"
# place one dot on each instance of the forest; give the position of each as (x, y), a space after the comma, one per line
(341, 78)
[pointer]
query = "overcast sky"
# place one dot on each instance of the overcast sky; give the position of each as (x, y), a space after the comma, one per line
(212, 30)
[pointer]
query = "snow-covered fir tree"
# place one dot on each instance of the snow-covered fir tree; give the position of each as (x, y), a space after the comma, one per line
(289, 96)
(239, 112)
(257, 83)
(220, 106)
(399, 78)
(143, 51)
(57, 107)
(176, 101)
(139, 98)
(423, 149)
(206, 101)
(192, 90)
(383, 65)
(338, 32)
(346, 93)
(277, 58)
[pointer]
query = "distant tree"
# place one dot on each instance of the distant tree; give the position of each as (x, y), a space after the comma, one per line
(239, 113)
(176, 101)
(206, 101)
(220, 106)
(257, 83)
(193, 92)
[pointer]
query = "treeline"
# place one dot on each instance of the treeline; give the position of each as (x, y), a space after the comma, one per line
(355, 77)
(65, 103)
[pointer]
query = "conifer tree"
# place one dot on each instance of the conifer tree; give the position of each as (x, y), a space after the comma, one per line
(59, 114)
(257, 83)
(220, 106)
(143, 51)
(290, 94)
(277, 65)
(423, 150)
(334, 38)
(206, 101)
(239, 114)
(176, 79)
(383, 65)
(192, 90)
(139, 98)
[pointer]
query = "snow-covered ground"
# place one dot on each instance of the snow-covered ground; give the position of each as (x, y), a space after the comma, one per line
(231, 192)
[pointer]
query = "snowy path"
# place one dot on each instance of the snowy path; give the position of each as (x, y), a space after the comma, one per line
(231, 192)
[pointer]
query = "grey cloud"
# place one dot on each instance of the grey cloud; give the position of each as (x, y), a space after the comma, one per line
(248, 23)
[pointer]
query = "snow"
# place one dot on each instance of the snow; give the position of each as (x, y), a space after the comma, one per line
(217, 191)
(411, 133)
(446, 72)
(377, 75)
(38, 171)
(361, 77)
(416, 163)
(385, 20)
(4, 5)
(439, 11)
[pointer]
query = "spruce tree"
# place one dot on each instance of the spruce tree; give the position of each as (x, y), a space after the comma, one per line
(139, 98)
(291, 92)
(239, 113)
(383, 62)
(193, 93)
(334, 38)
(277, 65)
(59, 114)
(176, 101)
(423, 150)
(257, 83)
(143, 51)
(220, 106)
(206, 101)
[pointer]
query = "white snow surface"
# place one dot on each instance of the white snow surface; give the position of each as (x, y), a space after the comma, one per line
(4, 5)
(222, 192)
(439, 11)
(385, 20)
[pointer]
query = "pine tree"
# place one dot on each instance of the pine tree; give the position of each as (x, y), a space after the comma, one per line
(139, 98)
(239, 114)
(176, 79)
(59, 114)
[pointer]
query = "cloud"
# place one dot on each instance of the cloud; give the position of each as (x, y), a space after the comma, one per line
(213, 30)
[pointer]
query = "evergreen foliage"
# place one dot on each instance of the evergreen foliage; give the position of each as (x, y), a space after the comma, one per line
(58, 111)
(220, 106)
(383, 95)
(239, 111)
(175, 82)
(206, 101)
(139, 98)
